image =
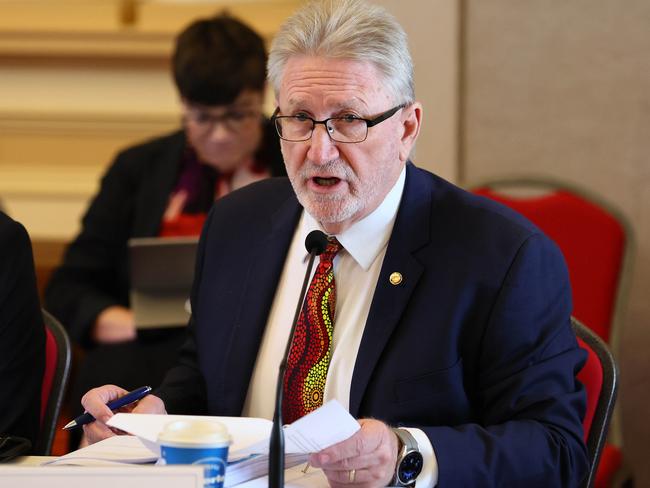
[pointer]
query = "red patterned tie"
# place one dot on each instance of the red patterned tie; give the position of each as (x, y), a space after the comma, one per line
(311, 350)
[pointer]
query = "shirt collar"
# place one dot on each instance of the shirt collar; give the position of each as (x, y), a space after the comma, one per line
(365, 239)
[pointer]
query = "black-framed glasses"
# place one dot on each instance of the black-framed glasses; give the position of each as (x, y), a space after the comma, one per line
(347, 128)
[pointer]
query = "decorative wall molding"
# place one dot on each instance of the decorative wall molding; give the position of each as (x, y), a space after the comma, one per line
(84, 123)
(118, 29)
(63, 155)
(99, 46)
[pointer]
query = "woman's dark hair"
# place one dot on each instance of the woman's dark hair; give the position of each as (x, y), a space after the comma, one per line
(215, 59)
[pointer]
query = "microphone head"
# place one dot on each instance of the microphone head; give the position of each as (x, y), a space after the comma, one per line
(316, 242)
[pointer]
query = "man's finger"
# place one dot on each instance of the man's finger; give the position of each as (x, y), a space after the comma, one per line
(357, 478)
(150, 404)
(352, 447)
(349, 477)
(365, 461)
(97, 431)
(95, 400)
(366, 440)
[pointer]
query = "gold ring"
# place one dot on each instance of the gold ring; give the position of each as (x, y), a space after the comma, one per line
(351, 475)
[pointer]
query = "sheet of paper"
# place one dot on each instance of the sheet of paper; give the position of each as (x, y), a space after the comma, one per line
(256, 467)
(244, 431)
(314, 432)
(118, 449)
(322, 428)
(293, 478)
(126, 449)
(247, 455)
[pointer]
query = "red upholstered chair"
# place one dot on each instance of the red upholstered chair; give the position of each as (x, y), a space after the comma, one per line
(599, 375)
(55, 379)
(597, 244)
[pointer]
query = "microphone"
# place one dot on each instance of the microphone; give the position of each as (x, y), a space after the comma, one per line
(316, 242)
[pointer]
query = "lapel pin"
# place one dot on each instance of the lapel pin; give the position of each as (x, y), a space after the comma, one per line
(395, 278)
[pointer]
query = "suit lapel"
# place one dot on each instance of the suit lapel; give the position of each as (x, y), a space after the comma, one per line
(410, 232)
(262, 278)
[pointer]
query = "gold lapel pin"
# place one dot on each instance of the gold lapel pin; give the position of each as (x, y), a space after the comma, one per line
(395, 278)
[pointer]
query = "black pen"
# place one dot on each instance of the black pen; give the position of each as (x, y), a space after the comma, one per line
(130, 397)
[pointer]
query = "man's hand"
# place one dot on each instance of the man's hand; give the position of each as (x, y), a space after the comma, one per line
(367, 459)
(114, 324)
(95, 400)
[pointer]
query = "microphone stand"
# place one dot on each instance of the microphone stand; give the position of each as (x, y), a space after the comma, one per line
(276, 443)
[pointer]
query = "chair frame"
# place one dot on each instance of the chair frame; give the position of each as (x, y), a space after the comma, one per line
(606, 399)
(43, 445)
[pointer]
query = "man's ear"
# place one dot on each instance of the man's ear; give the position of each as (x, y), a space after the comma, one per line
(276, 105)
(411, 119)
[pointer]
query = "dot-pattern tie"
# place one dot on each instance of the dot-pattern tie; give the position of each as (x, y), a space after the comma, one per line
(311, 350)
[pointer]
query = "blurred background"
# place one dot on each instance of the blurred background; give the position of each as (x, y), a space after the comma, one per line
(534, 88)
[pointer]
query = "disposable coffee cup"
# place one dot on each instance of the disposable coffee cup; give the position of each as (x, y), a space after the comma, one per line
(197, 442)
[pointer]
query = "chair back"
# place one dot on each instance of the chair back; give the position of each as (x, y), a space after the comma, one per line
(599, 375)
(595, 238)
(55, 379)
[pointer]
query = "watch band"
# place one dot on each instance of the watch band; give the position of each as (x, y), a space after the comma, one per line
(409, 460)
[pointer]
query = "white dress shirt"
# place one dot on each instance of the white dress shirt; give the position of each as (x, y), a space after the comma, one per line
(356, 271)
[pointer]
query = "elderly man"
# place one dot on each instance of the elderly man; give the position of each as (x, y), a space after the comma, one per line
(449, 337)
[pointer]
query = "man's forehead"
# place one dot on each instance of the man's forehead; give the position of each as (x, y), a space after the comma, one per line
(334, 104)
(338, 83)
(329, 70)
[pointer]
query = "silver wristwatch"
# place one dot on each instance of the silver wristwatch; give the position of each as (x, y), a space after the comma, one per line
(409, 460)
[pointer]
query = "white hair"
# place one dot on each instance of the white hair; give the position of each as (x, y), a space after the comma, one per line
(346, 29)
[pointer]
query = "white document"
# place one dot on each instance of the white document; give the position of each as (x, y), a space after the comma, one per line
(294, 477)
(127, 449)
(318, 430)
(321, 429)
(247, 455)
(243, 430)
(119, 449)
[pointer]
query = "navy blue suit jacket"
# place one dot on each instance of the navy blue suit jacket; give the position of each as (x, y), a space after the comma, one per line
(474, 347)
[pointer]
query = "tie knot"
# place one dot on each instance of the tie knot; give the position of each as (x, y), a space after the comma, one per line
(333, 247)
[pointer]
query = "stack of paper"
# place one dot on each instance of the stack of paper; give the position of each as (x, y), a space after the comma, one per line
(120, 449)
(248, 454)
(256, 465)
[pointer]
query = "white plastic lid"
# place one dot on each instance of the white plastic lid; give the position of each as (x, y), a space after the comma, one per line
(195, 432)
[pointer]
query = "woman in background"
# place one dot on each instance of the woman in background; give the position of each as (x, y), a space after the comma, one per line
(164, 187)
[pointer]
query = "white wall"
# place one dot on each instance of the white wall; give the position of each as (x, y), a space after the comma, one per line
(432, 27)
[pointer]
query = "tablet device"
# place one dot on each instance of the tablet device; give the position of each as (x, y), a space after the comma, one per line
(161, 273)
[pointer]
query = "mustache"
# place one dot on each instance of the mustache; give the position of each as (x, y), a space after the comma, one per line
(335, 168)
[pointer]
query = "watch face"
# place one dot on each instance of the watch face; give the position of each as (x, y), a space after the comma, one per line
(410, 467)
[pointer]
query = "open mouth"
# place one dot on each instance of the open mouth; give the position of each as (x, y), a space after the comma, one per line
(325, 181)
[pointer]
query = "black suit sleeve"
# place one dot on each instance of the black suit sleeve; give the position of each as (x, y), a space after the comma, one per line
(22, 335)
(183, 390)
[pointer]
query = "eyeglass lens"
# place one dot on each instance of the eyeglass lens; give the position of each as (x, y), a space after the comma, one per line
(233, 120)
(339, 129)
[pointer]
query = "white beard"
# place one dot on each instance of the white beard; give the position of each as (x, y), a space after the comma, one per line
(330, 209)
